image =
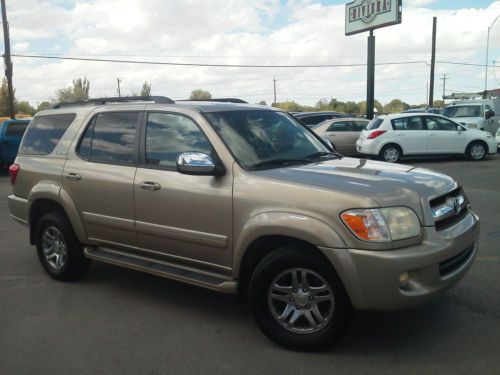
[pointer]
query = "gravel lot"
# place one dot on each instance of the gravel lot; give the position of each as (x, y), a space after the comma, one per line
(118, 321)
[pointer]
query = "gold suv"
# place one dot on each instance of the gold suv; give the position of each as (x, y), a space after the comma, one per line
(239, 199)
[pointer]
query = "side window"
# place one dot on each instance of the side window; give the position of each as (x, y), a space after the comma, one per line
(110, 138)
(360, 125)
(16, 129)
(341, 126)
(446, 125)
(311, 120)
(168, 135)
(408, 123)
(44, 133)
(432, 123)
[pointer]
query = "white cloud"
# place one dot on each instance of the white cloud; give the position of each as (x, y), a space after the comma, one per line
(243, 32)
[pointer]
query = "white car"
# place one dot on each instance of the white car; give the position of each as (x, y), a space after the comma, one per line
(393, 136)
(498, 138)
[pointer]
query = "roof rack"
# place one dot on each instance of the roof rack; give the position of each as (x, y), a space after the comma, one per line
(220, 100)
(116, 99)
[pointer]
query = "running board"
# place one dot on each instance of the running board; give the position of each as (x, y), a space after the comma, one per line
(162, 269)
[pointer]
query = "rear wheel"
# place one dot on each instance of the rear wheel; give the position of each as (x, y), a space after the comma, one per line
(391, 153)
(58, 248)
(476, 151)
(298, 300)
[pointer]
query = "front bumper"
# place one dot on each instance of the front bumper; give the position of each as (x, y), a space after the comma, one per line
(435, 265)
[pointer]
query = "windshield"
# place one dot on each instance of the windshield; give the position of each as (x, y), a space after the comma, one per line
(263, 138)
(464, 111)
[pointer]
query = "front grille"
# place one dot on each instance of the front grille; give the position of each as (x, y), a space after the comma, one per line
(449, 209)
(452, 264)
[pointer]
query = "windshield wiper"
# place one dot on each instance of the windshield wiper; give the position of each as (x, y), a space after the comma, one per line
(279, 162)
(321, 154)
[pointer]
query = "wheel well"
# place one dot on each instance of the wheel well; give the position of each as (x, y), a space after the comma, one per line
(391, 144)
(39, 208)
(477, 141)
(258, 250)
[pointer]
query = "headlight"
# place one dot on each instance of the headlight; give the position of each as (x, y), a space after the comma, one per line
(382, 224)
(472, 126)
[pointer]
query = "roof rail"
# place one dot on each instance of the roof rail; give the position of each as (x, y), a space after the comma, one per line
(220, 100)
(116, 99)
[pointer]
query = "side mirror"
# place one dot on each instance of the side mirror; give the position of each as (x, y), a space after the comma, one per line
(459, 129)
(489, 114)
(198, 163)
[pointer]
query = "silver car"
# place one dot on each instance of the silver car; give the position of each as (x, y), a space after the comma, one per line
(342, 133)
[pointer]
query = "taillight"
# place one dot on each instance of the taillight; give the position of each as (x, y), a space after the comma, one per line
(13, 171)
(376, 133)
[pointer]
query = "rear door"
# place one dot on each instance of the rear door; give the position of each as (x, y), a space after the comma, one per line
(411, 134)
(11, 134)
(99, 177)
(343, 135)
(444, 136)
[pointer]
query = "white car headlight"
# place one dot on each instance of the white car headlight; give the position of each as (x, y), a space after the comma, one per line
(382, 224)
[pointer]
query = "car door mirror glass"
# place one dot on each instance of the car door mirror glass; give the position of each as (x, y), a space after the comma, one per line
(195, 163)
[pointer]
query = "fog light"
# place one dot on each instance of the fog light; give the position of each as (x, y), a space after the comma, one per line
(404, 279)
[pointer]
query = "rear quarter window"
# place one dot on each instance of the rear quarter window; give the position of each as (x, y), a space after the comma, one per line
(374, 124)
(44, 133)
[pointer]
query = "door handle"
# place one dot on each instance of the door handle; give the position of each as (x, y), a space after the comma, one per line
(149, 185)
(73, 176)
(401, 135)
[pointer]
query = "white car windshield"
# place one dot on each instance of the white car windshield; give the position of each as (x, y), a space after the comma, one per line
(464, 111)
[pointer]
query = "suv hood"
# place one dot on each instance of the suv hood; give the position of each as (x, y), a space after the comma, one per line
(385, 183)
(467, 120)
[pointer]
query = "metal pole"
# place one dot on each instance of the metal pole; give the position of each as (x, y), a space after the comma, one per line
(274, 82)
(119, 93)
(370, 89)
(487, 52)
(8, 61)
(433, 62)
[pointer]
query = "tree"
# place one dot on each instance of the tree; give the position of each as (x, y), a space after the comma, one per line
(395, 106)
(42, 106)
(200, 94)
(24, 108)
(4, 98)
(438, 104)
(146, 89)
(76, 93)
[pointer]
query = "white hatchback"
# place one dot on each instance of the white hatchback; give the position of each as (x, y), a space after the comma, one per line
(393, 136)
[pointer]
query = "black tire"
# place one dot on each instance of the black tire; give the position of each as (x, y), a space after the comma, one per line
(472, 152)
(391, 150)
(339, 312)
(74, 265)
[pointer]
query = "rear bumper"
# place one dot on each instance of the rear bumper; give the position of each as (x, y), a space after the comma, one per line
(367, 148)
(18, 208)
(434, 266)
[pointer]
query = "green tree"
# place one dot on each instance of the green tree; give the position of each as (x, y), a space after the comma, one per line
(395, 106)
(200, 94)
(76, 93)
(24, 108)
(42, 106)
(438, 104)
(146, 89)
(4, 98)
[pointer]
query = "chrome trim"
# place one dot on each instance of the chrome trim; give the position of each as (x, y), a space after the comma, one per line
(108, 221)
(452, 206)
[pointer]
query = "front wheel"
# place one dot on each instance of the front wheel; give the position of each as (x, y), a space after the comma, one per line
(298, 300)
(476, 151)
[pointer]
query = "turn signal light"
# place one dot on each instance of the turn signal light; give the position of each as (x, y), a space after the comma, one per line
(13, 171)
(376, 133)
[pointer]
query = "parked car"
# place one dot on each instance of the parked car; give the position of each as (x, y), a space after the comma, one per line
(497, 137)
(482, 114)
(239, 199)
(393, 136)
(422, 110)
(11, 133)
(342, 133)
(313, 118)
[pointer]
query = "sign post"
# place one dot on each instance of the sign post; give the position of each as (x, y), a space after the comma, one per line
(367, 15)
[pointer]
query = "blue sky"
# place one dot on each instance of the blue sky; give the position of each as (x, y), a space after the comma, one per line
(262, 32)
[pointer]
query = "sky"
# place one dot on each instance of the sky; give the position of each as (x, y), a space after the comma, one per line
(242, 32)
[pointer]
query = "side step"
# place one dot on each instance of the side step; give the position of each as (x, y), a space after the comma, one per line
(163, 269)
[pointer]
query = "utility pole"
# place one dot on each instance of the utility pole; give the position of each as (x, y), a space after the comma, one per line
(444, 83)
(118, 81)
(433, 62)
(274, 82)
(370, 77)
(427, 93)
(8, 61)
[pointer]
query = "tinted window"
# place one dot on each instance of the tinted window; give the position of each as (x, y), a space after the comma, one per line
(438, 123)
(360, 125)
(463, 111)
(342, 126)
(110, 137)
(374, 124)
(408, 123)
(16, 129)
(44, 133)
(168, 135)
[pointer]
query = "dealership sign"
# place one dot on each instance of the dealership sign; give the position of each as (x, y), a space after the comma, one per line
(363, 15)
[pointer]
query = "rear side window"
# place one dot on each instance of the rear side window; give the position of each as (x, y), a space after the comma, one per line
(408, 123)
(16, 129)
(110, 138)
(44, 133)
(342, 126)
(374, 124)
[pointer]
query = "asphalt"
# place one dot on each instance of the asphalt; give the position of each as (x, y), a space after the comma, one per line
(118, 321)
